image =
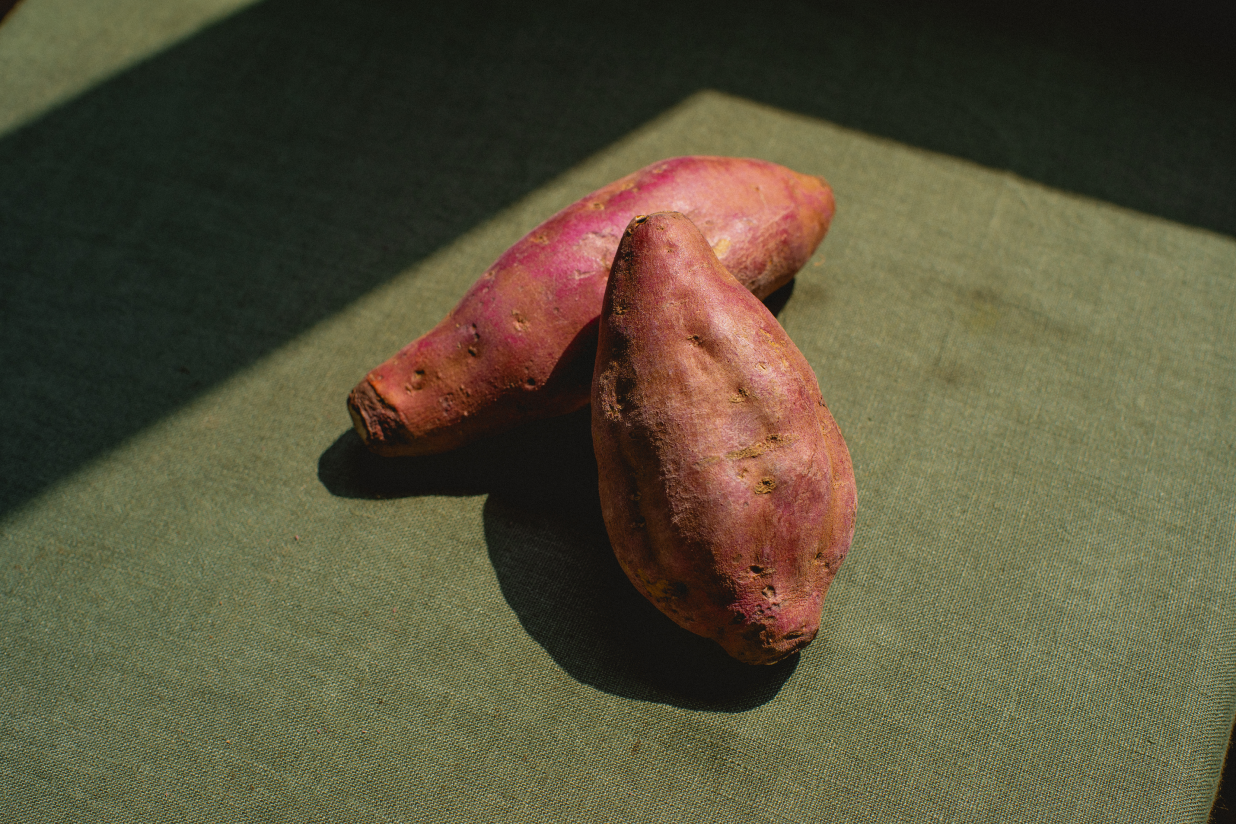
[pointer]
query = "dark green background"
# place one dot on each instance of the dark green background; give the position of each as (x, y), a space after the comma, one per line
(394, 129)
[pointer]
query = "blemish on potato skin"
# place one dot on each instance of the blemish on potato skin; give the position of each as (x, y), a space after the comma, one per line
(608, 394)
(636, 221)
(773, 441)
(417, 383)
(766, 485)
(664, 592)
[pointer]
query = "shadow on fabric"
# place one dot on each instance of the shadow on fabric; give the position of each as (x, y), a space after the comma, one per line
(548, 546)
(554, 565)
(193, 214)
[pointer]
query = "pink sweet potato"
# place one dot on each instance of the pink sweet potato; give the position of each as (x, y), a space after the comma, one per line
(521, 342)
(726, 487)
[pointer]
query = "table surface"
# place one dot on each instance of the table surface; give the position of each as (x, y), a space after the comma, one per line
(216, 606)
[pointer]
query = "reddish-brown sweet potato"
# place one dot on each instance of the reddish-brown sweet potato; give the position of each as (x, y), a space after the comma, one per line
(520, 344)
(726, 487)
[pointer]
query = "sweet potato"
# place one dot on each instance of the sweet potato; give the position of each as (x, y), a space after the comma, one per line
(726, 487)
(521, 342)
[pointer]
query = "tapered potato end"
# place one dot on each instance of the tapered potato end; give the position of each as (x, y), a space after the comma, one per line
(726, 488)
(376, 421)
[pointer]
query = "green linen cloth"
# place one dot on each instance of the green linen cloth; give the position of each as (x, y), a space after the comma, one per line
(235, 615)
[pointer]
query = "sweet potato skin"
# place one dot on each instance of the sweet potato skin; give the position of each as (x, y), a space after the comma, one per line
(520, 344)
(726, 487)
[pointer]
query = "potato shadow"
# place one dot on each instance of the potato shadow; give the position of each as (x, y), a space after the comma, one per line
(548, 547)
(572, 597)
(542, 465)
(553, 560)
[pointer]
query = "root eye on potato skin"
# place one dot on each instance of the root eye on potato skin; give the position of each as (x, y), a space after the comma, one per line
(765, 486)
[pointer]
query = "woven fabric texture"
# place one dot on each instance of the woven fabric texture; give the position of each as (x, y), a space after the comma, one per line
(214, 606)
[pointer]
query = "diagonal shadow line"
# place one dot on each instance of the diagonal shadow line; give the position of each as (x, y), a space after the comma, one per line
(193, 214)
(7, 6)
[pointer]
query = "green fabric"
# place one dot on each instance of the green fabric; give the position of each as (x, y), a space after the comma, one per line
(220, 609)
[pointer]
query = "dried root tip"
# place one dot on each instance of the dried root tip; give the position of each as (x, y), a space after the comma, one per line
(375, 420)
